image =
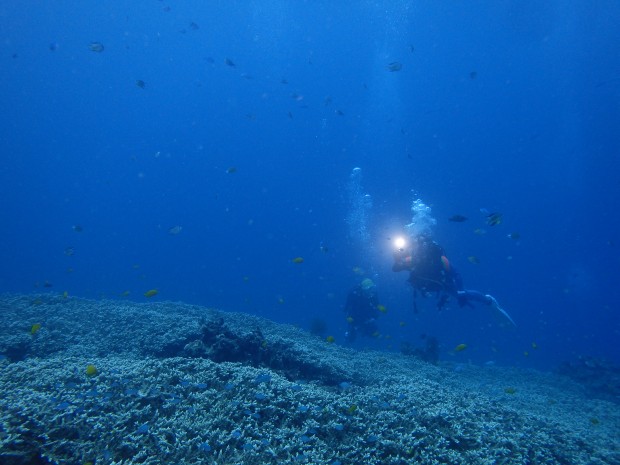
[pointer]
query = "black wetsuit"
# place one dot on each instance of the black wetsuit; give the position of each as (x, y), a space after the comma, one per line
(362, 311)
(430, 272)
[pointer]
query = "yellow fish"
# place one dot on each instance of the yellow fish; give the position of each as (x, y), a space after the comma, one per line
(151, 293)
(382, 308)
(330, 339)
(495, 218)
(460, 347)
(298, 260)
(91, 370)
(350, 319)
(473, 259)
(125, 293)
(35, 328)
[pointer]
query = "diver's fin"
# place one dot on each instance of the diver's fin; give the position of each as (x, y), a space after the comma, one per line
(499, 313)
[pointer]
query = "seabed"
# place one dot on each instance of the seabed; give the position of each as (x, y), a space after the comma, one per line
(109, 382)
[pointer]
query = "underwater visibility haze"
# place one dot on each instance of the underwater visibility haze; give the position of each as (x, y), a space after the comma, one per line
(263, 158)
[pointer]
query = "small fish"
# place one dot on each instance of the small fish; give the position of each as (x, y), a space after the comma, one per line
(323, 248)
(140, 83)
(34, 329)
(394, 66)
(460, 347)
(473, 75)
(69, 251)
(515, 236)
(175, 230)
(473, 259)
(495, 218)
(65, 295)
(96, 47)
(53, 46)
(229, 62)
(290, 115)
(194, 26)
(330, 339)
(457, 218)
(283, 81)
(510, 390)
(382, 308)
(339, 112)
(47, 284)
(479, 231)
(358, 270)
(151, 293)
(402, 323)
(350, 319)
(231, 170)
(534, 346)
(77, 228)
(125, 293)
(298, 260)
(411, 48)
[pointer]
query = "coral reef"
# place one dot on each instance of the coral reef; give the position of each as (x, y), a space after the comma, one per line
(179, 384)
(601, 378)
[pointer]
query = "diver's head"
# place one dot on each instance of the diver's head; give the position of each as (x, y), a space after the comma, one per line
(400, 243)
(402, 254)
(368, 286)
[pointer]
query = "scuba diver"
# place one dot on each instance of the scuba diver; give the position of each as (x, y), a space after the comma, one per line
(362, 310)
(430, 272)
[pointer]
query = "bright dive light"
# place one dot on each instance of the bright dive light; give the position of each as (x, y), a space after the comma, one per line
(400, 243)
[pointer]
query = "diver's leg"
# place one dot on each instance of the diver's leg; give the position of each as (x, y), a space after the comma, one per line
(499, 311)
(465, 297)
(351, 334)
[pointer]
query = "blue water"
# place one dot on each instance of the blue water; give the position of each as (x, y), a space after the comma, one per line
(507, 106)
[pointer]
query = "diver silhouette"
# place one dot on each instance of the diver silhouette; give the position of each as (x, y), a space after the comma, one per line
(362, 310)
(431, 273)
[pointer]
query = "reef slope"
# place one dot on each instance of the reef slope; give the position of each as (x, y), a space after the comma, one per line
(170, 383)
